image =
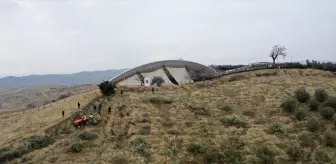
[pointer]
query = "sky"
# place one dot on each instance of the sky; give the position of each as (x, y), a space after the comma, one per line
(65, 36)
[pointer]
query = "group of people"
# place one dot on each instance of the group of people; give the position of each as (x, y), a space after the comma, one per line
(94, 108)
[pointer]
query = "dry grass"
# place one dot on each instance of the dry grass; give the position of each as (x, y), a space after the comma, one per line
(24, 123)
(173, 125)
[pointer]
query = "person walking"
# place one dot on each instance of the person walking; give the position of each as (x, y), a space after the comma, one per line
(63, 113)
(78, 104)
(109, 110)
(99, 108)
(94, 108)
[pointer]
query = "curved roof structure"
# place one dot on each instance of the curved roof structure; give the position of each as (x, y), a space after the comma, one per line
(165, 63)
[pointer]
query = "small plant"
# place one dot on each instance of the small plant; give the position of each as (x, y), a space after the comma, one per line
(212, 156)
(322, 156)
(31, 106)
(277, 129)
(289, 105)
(233, 151)
(157, 80)
(40, 142)
(314, 105)
(141, 146)
(120, 159)
(302, 95)
(266, 155)
(235, 121)
(196, 148)
(107, 88)
(327, 113)
(172, 151)
(330, 139)
(300, 114)
(306, 140)
(321, 95)
(226, 108)
(145, 128)
(88, 136)
(236, 78)
(199, 110)
(313, 125)
(331, 102)
(76, 147)
(295, 153)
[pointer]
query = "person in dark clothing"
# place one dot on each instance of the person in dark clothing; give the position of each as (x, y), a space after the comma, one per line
(99, 108)
(121, 92)
(152, 89)
(63, 113)
(78, 104)
(109, 110)
(94, 108)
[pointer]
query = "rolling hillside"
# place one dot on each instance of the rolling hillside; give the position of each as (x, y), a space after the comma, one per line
(58, 79)
(235, 119)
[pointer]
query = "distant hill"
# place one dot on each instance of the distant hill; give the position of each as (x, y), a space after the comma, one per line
(87, 77)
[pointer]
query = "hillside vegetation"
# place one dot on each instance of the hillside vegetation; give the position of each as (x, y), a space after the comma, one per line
(270, 116)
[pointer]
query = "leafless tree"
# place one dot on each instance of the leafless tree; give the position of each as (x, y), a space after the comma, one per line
(137, 78)
(277, 51)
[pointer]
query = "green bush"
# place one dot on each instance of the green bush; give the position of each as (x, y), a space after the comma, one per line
(289, 105)
(322, 156)
(266, 155)
(88, 136)
(321, 95)
(276, 128)
(302, 95)
(141, 146)
(327, 113)
(40, 142)
(235, 121)
(157, 80)
(301, 114)
(314, 105)
(76, 147)
(330, 139)
(233, 151)
(8, 154)
(212, 156)
(107, 88)
(196, 148)
(331, 102)
(313, 125)
(158, 100)
(295, 153)
(226, 108)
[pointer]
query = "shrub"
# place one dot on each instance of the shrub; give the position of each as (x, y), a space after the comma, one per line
(314, 105)
(334, 118)
(330, 139)
(107, 88)
(226, 108)
(313, 125)
(302, 95)
(266, 155)
(289, 105)
(212, 156)
(9, 154)
(276, 128)
(120, 159)
(327, 113)
(321, 95)
(196, 148)
(172, 151)
(88, 136)
(235, 121)
(40, 142)
(145, 128)
(306, 140)
(31, 106)
(199, 110)
(141, 146)
(322, 156)
(331, 102)
(76, 147)
(295, 153)
(236, 78)
(63, 96)
(300, 114)
(157, 80)
(158, 100)
(233, 151)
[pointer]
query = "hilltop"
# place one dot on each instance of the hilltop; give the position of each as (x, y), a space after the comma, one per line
(237, 118)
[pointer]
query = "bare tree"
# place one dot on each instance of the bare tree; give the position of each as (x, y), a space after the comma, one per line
(277, 51)
(137, 78)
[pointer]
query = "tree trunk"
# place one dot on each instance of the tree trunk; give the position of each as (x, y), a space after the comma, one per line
(273, 60)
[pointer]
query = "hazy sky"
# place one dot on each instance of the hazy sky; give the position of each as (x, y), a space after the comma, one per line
(62, 36)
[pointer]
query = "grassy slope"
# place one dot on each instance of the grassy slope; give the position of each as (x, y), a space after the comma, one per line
(24, 123)
(256, 99)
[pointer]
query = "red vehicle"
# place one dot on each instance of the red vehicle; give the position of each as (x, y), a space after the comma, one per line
(81, 120)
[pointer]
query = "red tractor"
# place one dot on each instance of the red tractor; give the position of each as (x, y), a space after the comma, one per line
(81, 121)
